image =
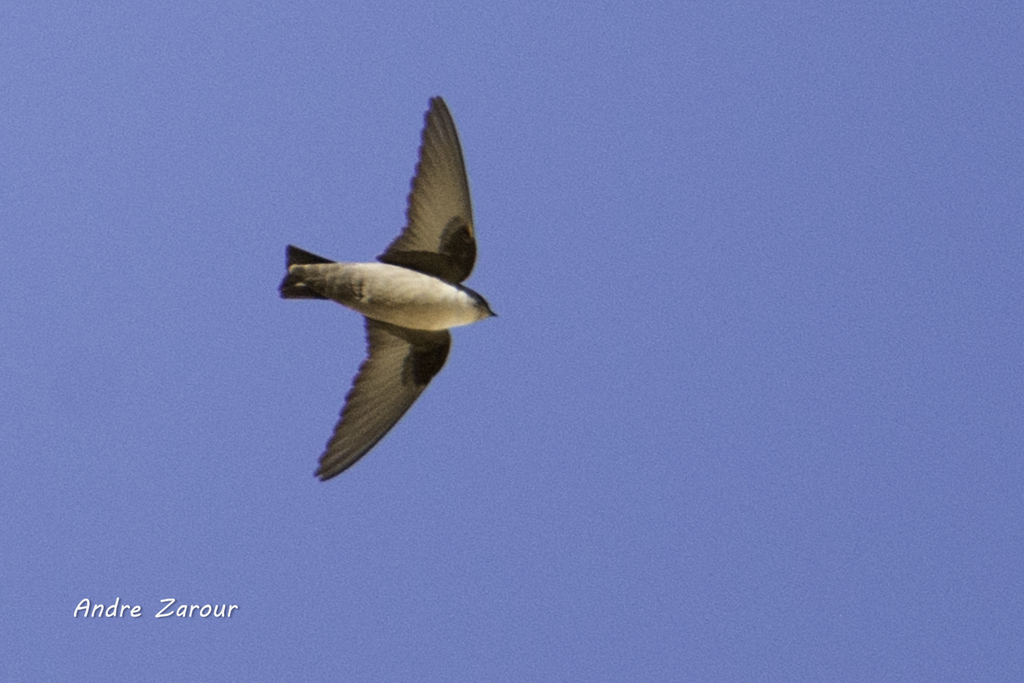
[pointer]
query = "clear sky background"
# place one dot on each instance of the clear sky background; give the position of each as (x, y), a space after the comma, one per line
(753, 408)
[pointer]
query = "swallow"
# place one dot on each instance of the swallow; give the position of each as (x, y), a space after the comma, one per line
(409, 298)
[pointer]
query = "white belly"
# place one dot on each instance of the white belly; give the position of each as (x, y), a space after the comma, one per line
(393, 294)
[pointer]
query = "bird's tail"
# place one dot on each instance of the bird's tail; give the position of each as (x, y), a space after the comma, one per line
(292, 287)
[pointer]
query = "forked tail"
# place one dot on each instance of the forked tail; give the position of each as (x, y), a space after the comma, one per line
(292, 286)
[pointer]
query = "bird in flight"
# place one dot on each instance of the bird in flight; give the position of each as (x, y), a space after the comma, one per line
(409, 299)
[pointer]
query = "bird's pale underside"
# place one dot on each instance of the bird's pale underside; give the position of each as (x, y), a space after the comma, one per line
(410, 299)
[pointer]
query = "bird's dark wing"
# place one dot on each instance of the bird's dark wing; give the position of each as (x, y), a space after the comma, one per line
(399, 365)
(438, 239)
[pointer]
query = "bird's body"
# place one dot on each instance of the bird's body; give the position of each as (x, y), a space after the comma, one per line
(410, 299)
(393, 294)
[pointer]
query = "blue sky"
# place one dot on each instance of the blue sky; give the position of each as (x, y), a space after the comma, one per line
(752, 409)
